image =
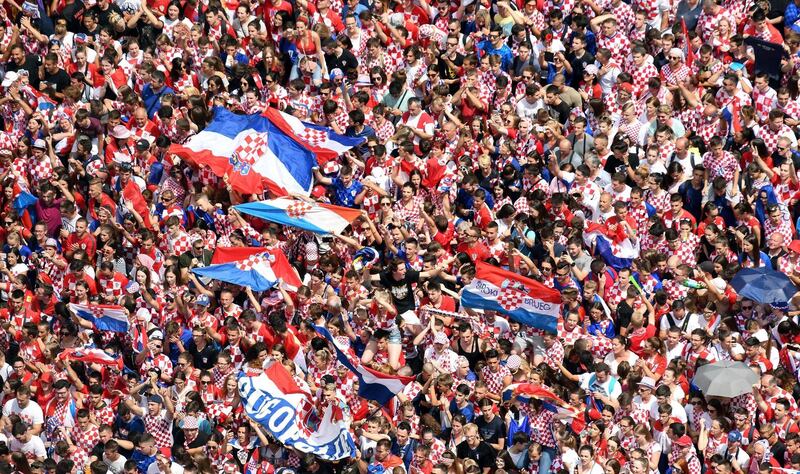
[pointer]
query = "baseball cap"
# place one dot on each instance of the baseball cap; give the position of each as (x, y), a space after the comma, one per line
(156, 399)
(40, 144)
(684, 441)
(795, 246)
(51, 242)
(203, 300)
(10, 78)
(734, 436)
(142, 145)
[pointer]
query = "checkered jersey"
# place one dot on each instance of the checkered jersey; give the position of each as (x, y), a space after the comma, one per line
(658, 200)
(783, 228)
(542, 428)
(641, 74)
(618, 44)
(706, 24)
(791, 109)
(764, 103)
(160, 427)
(771, 136)
(87, 439)
(673, 78)
(494, 380)
(724, 165)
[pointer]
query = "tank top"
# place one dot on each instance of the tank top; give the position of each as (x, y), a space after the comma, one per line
(474, 356)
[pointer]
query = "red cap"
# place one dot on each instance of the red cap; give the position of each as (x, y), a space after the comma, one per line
(627, 87)
(46, 377)
(684, 441)
(318, 191)
(795, 246)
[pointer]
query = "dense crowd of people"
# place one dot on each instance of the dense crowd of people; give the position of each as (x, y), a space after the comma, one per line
(495, 131)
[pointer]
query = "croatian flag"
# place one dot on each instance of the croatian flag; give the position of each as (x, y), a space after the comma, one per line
(315, 217)
(322, 141)
(372, 385)
(253, 153)
(91, 356)
(275, 401)
(524, 300)
(258, 268)
(103, 317)
(550, 401)
(616, 255)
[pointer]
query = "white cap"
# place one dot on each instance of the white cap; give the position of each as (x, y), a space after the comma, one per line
(10, 78)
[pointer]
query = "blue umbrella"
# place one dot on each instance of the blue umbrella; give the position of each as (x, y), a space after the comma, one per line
(763, 285)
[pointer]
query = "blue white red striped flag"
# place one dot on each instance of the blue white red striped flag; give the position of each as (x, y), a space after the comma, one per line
(274, 400)
(615, 254)
(104, 317)
(372, 385)
(91, 356)
(322, 141)
(315, 217)
(256, 267)
(524, 300)
(253, 153)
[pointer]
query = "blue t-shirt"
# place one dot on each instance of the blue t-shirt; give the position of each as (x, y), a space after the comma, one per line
(345, 196)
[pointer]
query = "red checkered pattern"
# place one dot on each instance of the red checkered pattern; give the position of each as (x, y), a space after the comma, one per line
(619, 45)
(103, 415)
(725, 165)
(494, 380)
(706, 23)
(569, 338)
(783, 228)
(791, 109)
(673, 78)
(40, 171)
(160, 427)
(85, 439)
(641, 75)
(660, 200)
(708, 126)
(764, 103)
(510, 299)
(554, 354)
(771, 137)
(542, 428)
(298, 209)
(724, 99)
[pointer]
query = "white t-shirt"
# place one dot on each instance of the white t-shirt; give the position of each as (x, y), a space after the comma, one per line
(611, 387)
(174, 469)
(115, 467)
(31, 414)
(32, 449)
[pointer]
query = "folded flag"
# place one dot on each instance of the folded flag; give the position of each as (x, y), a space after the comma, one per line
(372, 385)
(322, 141)
(253, 153)
(617, 253)
(274, 400)
(258, 268)
(311, 216)
(103, 317)
(91, 356)
(524, 300)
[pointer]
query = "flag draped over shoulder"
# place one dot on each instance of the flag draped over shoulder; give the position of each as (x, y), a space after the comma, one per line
(258, 268)
(274, 400)
(524, 300)
(372, 385)
(312, 216)
(252, 152)
(91, 356)
(104, 317)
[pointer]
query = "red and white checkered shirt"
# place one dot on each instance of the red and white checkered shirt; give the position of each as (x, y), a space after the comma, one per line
(771, 137)
(641, 74)
(160, 427)
(618, 44)
(85, 439)
(764, 103)
(725, 165)
(783, 228)
(707, 23)
(673, 78)
(494, 380)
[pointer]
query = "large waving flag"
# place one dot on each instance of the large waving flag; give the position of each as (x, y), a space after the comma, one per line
(274, 400)
(253, 153)
(256, 267)
(91, 356)
(322, 141)
(617, 255)
(104, 317)
(524, 300)
(315, 217)
(372, 385)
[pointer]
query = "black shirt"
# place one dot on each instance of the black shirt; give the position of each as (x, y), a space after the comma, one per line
(31, 64)
(58, 81)
(344, 62)
(491, 431)
(578, 64)
(449, 74)
(483, 454)
(402, 293)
